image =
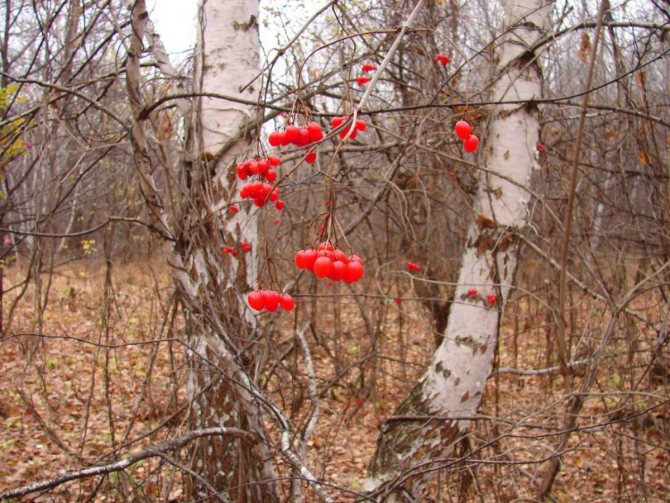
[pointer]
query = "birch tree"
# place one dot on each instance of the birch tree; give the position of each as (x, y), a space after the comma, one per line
(220, 332)
(421, 435)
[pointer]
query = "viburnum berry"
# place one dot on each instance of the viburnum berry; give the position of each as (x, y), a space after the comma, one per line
(276, 138)
(256, 300)
(540, 147)
(492, 299)
(323, 266)
(337, 121)
(226, 250)
(271, 300)
(361, 125)
(471, 144)
(310, 158)
(286, 302)
(246, 247)
(462, 130)
(315, 132)
(354, 271)
(292, 133)
(279, 204)
(472, 292)
(362, 80)
(233, 208)
(274, 161)
(397, 301)
(413, 267)
(443, 59)
(367, 67)
(271, 175)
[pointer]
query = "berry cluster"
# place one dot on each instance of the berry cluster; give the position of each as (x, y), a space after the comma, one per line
(244, 246)
(259, 167)
(413, 267)
(443, 59)
(464, 132)
(298, 136)
(338, 121)
(260, 193)
(270, 300)
(327, 262)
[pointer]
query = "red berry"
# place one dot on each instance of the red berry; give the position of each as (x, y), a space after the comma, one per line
(274, 195)
(492, 299)
(292, 134)
(276, 221)
(413, 267)
(337, 121)
(367, 67)
(273, 160)
(325, 245)
(361, 125)
(338, 271)
(226, 250)
(242, 172)
(271, 175)
(315, 132)
(271, 300)
(323, 267)
(472, 292)
(362, 80)
(256, 300)
(279, 204)
(310, 158)
(397, 301)
(462, 130)
(303, 137)
(233, 208)
(471, 144)
(540, 146)
(286, 302)
(309, 257)
(275, 138)
(354, 272)
(443, 59)
(246, 247)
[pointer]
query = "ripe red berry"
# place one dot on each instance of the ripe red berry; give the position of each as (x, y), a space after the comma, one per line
(338, 121)
(442, 59)
(397, 301)
(492, 299)
(309, 257)
(361, 125)
(271, 175)
(242, 171)
(338, 271)
(462, 130)
(226, 250)
(315, 132)
(323, 267)
(367, 67)
(275, 138)
(362, 80)
(471, 144)
(310, 158)
(271, 300)
(286, 302)
(292, 134)
(325, 245)
(279, 204)
(354, 272)
(472, 292)
(540, 146)
(413, 267)
(273, 160)
(256, 300)
(233, 208)
(303, 137)
(246, 247)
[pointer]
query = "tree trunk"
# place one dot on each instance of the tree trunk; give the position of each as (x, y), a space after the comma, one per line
(423, 431)
(221, 331)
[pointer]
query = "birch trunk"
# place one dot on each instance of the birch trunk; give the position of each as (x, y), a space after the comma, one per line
(425, 428)
(222, 333)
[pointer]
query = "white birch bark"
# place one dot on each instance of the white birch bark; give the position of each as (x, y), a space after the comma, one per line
(426, 426)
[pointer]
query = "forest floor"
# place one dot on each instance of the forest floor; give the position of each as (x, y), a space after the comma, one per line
(97, 386)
